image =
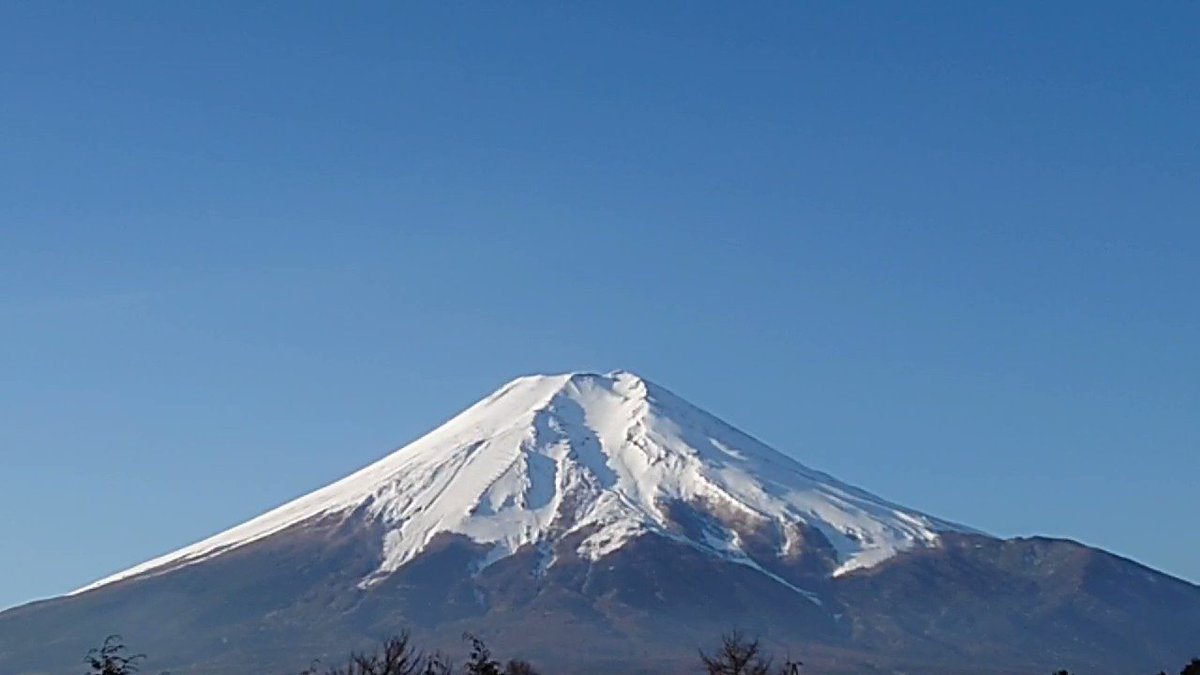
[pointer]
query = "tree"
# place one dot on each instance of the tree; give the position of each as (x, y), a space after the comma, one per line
(397, 657)
(437, 664)
(111, 658)
(738, 655)
(518, 667)
(790, 667)
(1192, 668)
(480, 661)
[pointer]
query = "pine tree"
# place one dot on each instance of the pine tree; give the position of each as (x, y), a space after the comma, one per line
(738, 655)
(480, 662)
(111, 659)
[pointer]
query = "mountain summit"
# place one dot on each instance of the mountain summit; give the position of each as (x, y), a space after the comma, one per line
(600, 523)
(610, 456)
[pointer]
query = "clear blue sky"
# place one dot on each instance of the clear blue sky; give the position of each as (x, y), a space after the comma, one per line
(945, 251)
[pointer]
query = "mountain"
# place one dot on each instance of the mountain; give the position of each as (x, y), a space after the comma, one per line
(601, 523)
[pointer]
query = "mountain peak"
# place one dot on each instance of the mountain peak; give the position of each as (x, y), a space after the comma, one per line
(536, 385)
(603, 510)
(601, 458)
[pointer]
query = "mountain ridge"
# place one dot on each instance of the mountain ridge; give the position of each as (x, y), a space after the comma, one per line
(600, 523)
(614, 444)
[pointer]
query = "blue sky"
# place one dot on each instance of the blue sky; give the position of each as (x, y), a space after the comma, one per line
(945, 251)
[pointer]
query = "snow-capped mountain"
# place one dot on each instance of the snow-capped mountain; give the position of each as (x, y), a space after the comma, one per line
(548, 456)
(600, 523)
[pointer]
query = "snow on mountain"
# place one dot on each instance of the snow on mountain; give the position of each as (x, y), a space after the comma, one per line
(545, 457)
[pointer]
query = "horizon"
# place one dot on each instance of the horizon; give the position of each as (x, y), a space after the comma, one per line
(947, 254)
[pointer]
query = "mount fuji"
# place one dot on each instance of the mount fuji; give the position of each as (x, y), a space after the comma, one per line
(601, 523)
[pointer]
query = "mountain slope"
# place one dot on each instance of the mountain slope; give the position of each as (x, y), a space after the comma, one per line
(599, 523)
(547, 456)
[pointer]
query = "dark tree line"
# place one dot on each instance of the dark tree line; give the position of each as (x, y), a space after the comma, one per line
(1192, 668)
(396, 656)
(736, 655)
